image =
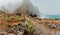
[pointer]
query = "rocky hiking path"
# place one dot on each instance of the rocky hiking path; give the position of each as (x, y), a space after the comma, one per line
(44, 30)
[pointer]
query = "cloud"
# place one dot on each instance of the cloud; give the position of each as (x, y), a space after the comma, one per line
(48, 7)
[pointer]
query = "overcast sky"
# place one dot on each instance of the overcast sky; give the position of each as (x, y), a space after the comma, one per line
(48, 7)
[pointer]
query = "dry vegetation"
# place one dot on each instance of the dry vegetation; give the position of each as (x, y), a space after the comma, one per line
(23, 24)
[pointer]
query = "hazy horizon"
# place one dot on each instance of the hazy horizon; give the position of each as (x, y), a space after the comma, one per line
(48, 7)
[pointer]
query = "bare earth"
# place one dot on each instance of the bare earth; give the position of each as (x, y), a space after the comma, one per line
(42, 26)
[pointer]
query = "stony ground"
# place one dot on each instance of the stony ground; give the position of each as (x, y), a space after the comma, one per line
(41, 27)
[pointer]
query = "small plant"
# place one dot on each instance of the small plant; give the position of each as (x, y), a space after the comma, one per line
(13, 18)
(29, 25)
